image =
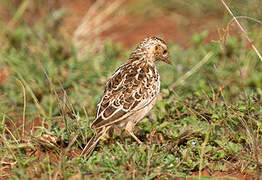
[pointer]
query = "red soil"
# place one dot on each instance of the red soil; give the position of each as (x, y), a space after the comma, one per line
(132, 29)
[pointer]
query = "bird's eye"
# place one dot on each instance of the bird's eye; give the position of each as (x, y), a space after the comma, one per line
(165, 53)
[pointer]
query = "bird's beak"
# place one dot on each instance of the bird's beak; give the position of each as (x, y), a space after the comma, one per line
(167, 60)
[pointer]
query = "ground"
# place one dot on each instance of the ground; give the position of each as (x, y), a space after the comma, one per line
(211, 122)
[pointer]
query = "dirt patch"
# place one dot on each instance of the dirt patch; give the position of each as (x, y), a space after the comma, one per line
(131, 29)
(4, 74)
(167, 27)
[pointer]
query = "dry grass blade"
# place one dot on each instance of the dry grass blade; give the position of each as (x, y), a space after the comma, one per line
(149, 156)
(94, 23)
(248, 18)
(203, 151)
(19, 13)
(66, 107)
(40, 109)
(24, 108)
(10, 132)
(192, 71)
(243, 30)
(57, 172)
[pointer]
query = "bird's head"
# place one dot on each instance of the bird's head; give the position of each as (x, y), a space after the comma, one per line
(154, 48)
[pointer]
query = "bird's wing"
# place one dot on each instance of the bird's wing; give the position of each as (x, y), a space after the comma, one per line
(131, 88)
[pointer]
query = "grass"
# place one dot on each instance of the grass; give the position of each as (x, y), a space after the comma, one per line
(211, 121)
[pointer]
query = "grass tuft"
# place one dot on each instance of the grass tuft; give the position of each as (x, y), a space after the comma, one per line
(209, 124)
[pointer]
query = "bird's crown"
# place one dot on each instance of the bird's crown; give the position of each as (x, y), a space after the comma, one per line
(149, 42)
(150, 50)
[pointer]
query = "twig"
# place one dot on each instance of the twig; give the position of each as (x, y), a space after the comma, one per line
(243, 30)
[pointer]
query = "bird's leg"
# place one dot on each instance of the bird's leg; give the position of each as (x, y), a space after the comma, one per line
(111, 134)
(129, 129)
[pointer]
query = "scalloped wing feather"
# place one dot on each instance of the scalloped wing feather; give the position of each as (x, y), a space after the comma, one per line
(132, 87)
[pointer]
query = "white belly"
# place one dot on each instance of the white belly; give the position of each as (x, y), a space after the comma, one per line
(140, 114)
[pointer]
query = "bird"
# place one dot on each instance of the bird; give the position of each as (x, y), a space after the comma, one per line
(130, 93)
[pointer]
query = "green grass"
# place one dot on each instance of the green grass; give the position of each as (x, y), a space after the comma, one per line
(211, 121)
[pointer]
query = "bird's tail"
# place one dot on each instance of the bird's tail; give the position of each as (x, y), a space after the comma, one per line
(89, 148)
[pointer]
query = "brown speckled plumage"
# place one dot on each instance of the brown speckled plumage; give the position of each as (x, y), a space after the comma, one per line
(131, 92)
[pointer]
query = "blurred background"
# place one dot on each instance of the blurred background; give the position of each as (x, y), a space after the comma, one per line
(56, 56)
(62, 32)
(126, 22)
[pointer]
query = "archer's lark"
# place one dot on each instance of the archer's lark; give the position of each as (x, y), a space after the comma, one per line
(131, 92)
